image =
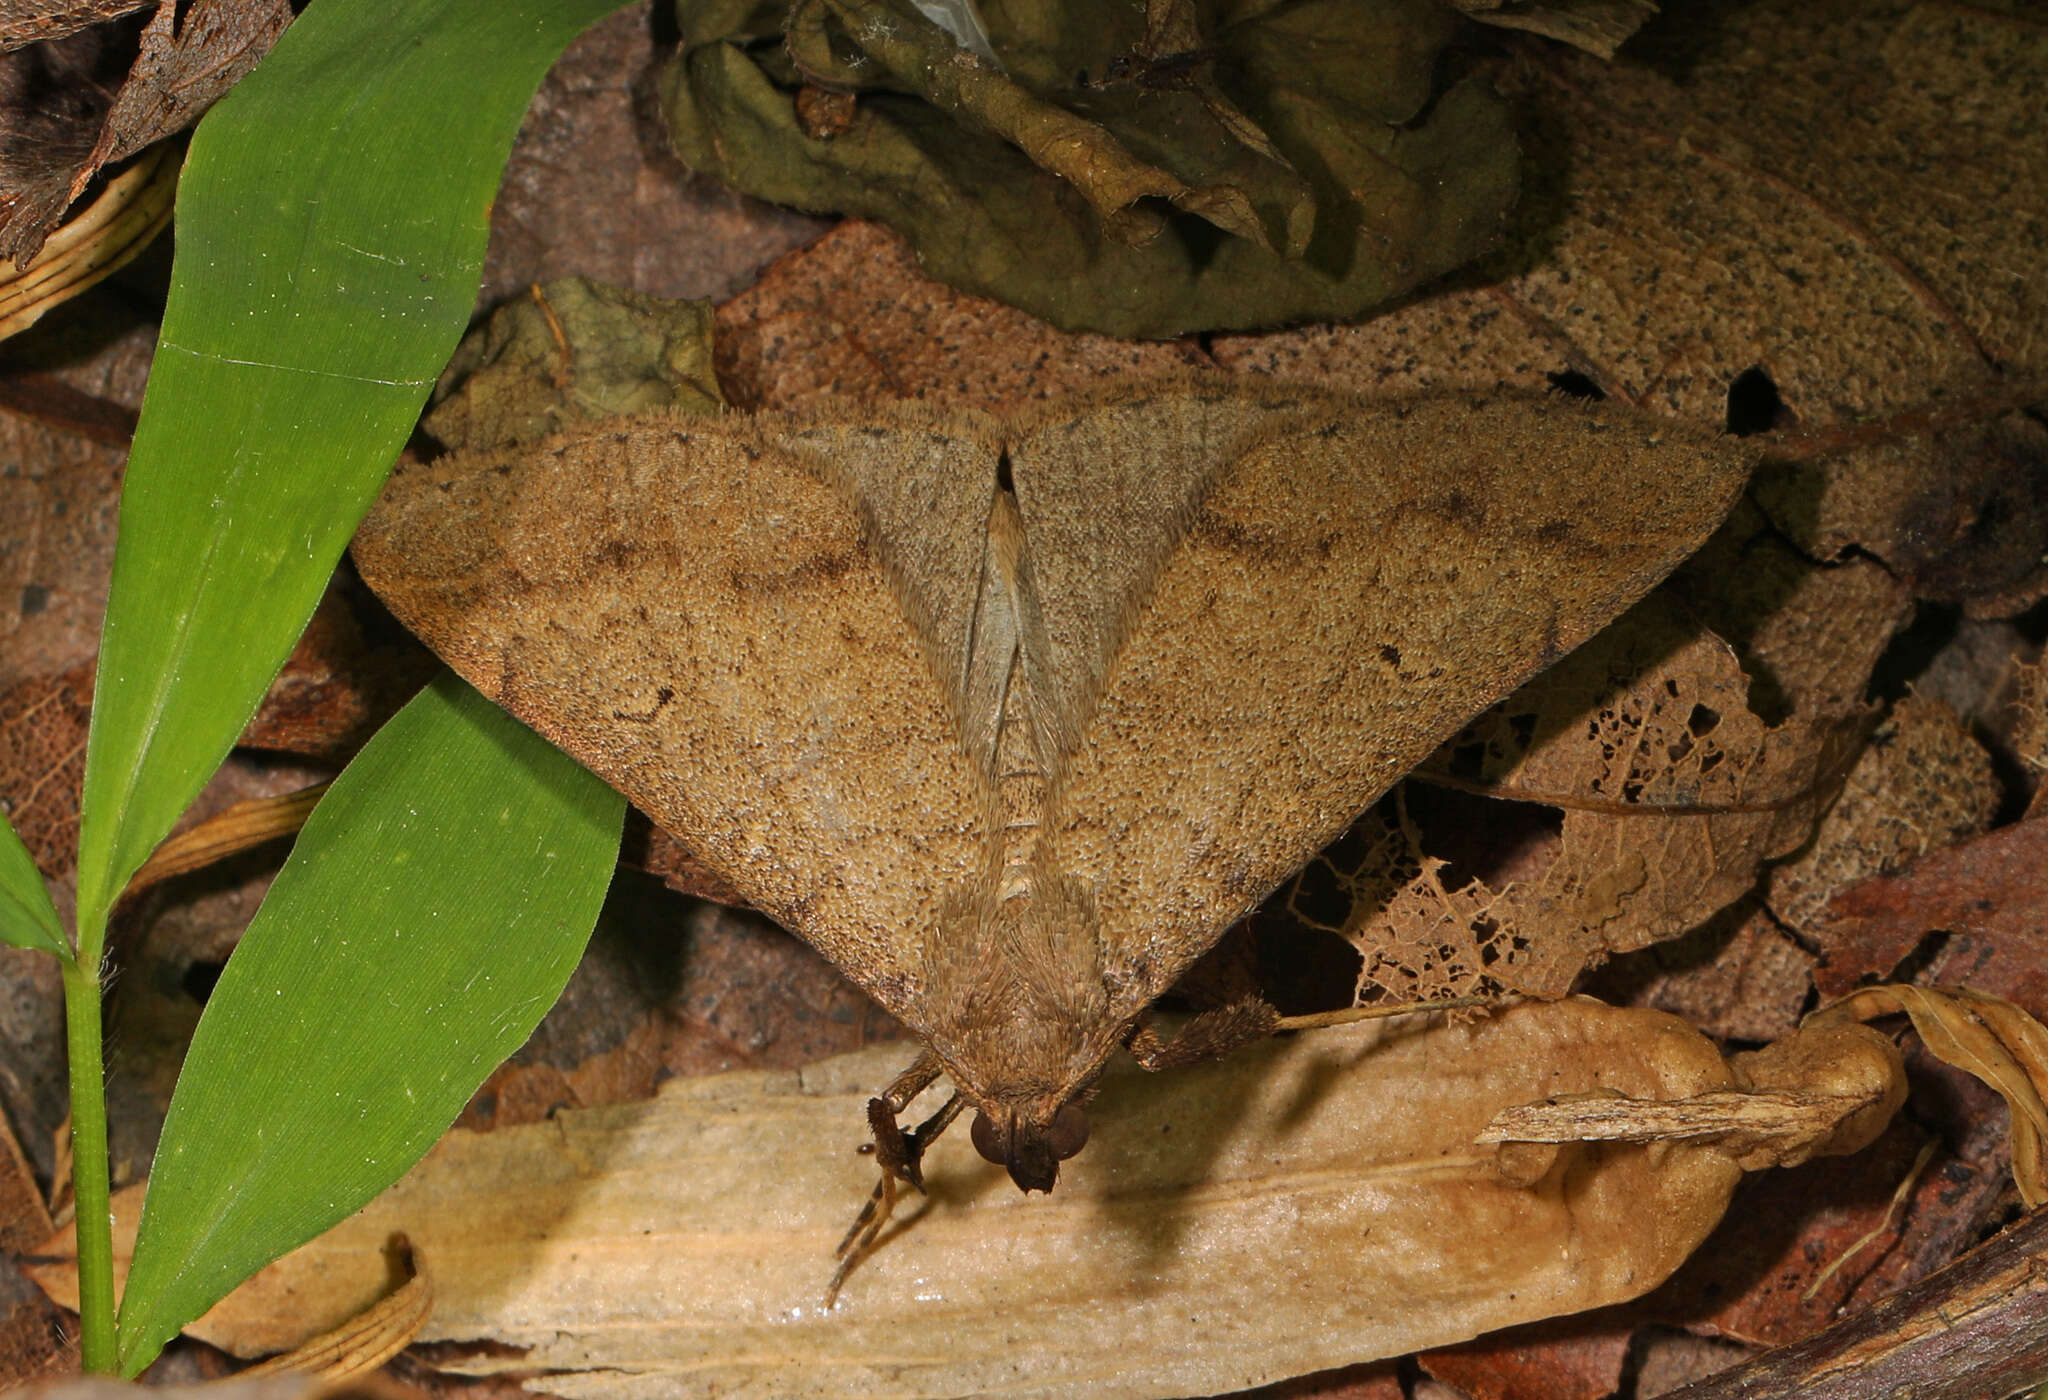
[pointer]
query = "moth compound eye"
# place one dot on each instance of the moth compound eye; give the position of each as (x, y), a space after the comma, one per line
(1069, 1131)
(985, 1140)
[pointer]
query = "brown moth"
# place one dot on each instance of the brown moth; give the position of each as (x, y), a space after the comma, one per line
(1011, 720)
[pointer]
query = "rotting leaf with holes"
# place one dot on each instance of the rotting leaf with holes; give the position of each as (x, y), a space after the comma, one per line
(1013, 756)
(1673, 794)
(1831, 230)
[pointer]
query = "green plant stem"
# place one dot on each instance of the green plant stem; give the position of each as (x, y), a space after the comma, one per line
(89, 1187)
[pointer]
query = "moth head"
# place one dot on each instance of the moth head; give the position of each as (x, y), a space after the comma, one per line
(1031, 1145)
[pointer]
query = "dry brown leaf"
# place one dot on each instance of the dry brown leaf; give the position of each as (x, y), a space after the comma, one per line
(366, 1341)
(99, 240)
(38, 1341)
(242, 827)
(1569, 1359)
(1779, 263)
(42, 762)
(337, 688)
(24, 1220)
(1985, 898)
(1923, 783)
(1303, 1204)
(188, 56)
(852, 317)
(1809, 635)
(24, 22)
(1739, 976)
(2030, 726)
(191, 55)
(592, 188)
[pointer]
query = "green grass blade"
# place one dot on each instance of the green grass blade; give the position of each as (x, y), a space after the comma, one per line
(331, 226)
(429, 915)
(27, 918)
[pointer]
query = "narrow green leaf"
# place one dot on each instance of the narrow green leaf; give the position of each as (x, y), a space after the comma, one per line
(431, 911)
(331, 225)
(27, 918)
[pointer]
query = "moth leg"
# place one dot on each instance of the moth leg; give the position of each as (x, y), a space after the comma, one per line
(899, 1154)
(1209, 1036)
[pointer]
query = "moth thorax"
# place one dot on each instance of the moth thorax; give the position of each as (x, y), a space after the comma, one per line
(1021, 788)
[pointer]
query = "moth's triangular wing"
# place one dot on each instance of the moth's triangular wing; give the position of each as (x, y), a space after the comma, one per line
(704, 617)
(1104, 488)
(1345, 593)
(925, 483)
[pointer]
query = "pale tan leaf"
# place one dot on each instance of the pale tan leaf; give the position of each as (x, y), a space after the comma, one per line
(1302, 1204)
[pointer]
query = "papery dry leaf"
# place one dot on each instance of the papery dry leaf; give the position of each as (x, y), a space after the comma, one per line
(1923, 783)
(1830, 224)
(1673, 792)
(1302, 1204)
(851, 316)
(1118, 703)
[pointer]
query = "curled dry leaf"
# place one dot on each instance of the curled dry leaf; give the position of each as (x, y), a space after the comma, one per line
(1820, 1092)
(98, 241)
(1302, 1204)
(366, 1341)
(1135, 170)
(188, 57)
(1991, 1038)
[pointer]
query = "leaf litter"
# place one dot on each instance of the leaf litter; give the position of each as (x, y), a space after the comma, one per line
(1851, 627)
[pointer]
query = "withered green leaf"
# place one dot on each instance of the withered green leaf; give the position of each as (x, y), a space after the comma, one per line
(1011, 721)
(1136, 170)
